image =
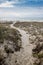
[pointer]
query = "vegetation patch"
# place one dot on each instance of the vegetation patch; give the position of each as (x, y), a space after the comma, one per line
(10, 42)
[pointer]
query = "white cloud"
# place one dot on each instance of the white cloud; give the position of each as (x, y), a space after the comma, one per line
(7, 4)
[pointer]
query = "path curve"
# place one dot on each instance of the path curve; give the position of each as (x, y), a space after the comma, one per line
(26, 54)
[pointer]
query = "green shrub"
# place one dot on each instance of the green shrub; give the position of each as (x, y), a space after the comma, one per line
(40, 55)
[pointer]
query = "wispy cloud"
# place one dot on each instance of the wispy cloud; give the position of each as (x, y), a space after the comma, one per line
(7, 4)
(11, 3)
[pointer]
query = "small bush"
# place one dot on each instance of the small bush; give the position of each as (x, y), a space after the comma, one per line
(40, 55)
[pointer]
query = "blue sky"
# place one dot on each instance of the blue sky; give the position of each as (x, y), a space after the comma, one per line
(21, 9)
